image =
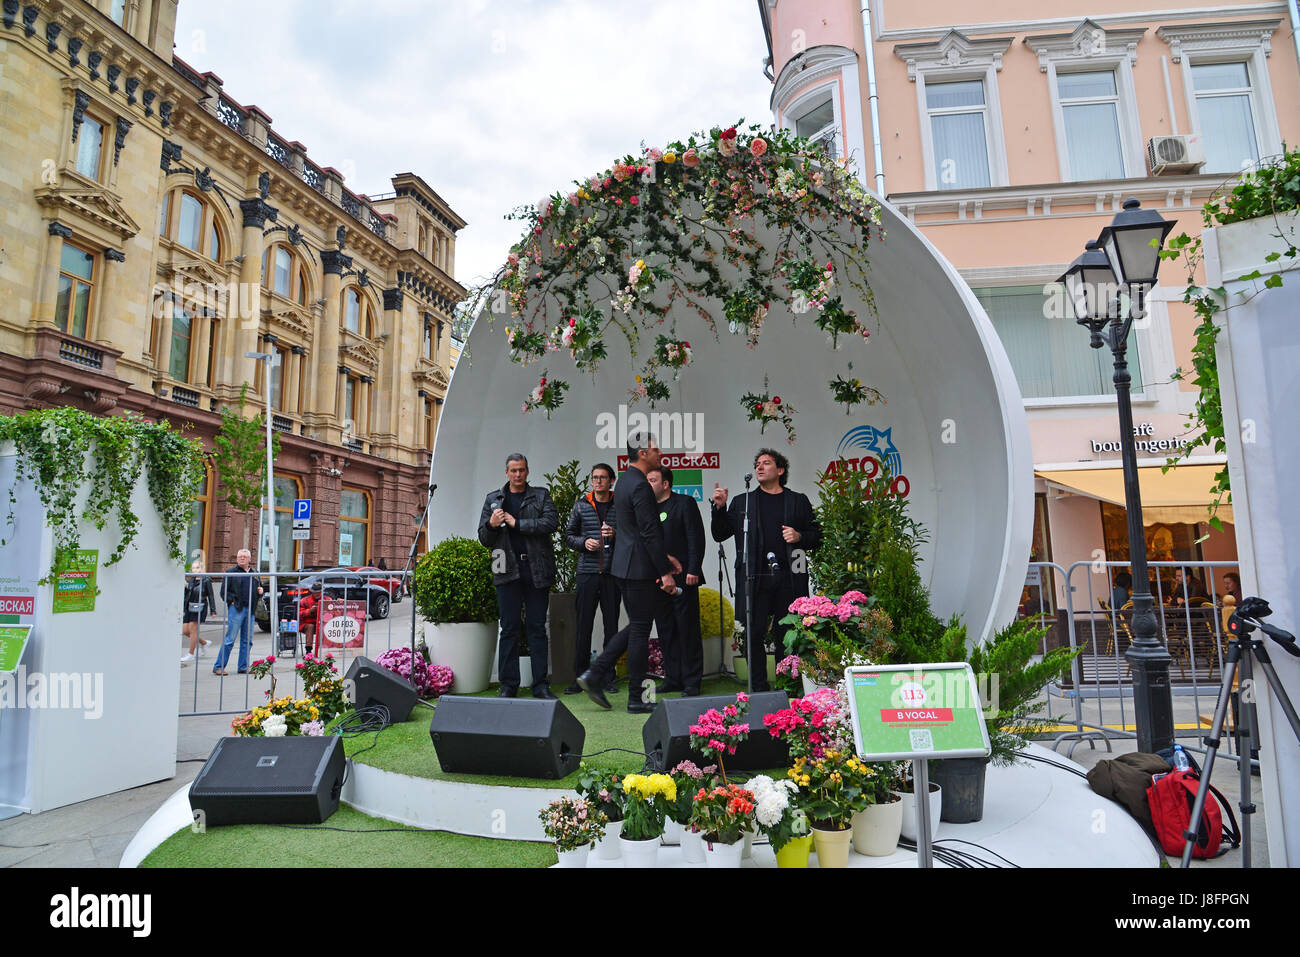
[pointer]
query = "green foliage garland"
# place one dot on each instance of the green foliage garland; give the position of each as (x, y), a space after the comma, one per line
(53, 445)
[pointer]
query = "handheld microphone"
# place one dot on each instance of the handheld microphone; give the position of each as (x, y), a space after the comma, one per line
(772, 563)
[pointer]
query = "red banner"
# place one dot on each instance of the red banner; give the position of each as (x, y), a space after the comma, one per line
(17, 605)
(342, 623)
(683, 460)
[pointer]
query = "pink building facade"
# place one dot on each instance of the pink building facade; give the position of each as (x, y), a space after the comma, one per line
(1010, 133)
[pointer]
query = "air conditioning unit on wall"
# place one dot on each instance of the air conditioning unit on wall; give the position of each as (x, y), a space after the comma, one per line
(1168, 155)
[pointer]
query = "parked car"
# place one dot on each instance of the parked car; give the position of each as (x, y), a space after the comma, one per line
(388, 580)
(342, 583)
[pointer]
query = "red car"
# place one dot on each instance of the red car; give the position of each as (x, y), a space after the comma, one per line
(387, 580)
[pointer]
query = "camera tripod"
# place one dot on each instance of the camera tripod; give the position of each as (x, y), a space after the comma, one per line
(1243, 650)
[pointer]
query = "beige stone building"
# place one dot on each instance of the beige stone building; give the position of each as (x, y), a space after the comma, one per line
(155, 231)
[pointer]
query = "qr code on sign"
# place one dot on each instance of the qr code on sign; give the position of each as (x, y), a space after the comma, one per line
(921, 739)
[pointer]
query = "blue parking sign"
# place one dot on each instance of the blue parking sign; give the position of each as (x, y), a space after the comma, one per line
(301, 508)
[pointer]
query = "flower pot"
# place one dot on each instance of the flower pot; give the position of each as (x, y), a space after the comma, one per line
(639, 853)
(832, 847)
(809, 686)
(723, 855)
(467, 649)
(909, 812)
(575, 858)
(962, 780)
(876, 830)
(747, 845)
(692, 847)
(562, 632)
(525, 668)
(795, 852)
(673, 832)
(741, 667)
(608, 849)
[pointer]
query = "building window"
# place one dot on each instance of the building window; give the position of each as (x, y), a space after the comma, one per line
(430, 423)
(191, 222)
(1225, 108)
(278, 365)
(90, 148)
(357, 315)
(283, 275)
(428, 340)
(354, 527)
(76, 287)
(182, 339)
(214, 332)
(196, 538)
(818, 125)
(117, 10)
(283, 270)
(959, 133)
(1090, 118)
(287, 488)
(1050, 359)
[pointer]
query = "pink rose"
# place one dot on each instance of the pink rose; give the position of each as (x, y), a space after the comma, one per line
(757, 146)
(690, 158)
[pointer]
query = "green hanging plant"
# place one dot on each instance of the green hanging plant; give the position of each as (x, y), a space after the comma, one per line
(62, 450)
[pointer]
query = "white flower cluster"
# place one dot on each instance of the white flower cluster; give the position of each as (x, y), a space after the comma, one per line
(274, 726)
(771, 799)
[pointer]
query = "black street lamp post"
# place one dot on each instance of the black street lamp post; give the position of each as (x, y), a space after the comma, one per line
(1107, 286)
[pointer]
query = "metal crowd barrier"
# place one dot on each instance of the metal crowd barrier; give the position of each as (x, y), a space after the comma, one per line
(205, 694)
(1191, 628)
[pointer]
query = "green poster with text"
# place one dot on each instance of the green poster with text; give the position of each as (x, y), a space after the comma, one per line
(75, 588)
(912, 711)
(13, 638)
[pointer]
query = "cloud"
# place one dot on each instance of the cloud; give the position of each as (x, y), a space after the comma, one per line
(494, 104)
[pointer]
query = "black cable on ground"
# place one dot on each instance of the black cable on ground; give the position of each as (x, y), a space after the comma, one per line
(1055, 764)
(362, 721)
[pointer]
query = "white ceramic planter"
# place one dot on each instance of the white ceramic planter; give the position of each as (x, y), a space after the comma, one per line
(909, 812)
(673, 832)
(1244, 247)
(692, 847)
(609, 849)
(723, 855)
(747, 850)
(639, 853)
(467, 649)
(576, 858)
(876, 830)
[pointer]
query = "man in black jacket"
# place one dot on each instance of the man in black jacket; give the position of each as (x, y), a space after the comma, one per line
(239, 591)
(678, 618)
(591, 534)
(516, 524)
(642, 566)
(783, 529)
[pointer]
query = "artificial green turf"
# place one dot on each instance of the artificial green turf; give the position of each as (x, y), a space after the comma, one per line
(406, 748)
(260, 845)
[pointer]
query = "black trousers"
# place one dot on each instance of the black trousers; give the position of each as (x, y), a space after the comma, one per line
(639, 597)
(771, 604)
(522, 605)
(678, 624)
(594, 590)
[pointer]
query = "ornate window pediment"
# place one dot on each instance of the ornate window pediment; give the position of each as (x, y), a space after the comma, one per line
(1087, 41)
(1217, 38)
(951, 51)
(92, 207)
(431, 376)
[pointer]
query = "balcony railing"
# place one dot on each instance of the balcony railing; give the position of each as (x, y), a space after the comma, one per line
(82, 355)
(282, 423)
(186, 397)
(231, 115)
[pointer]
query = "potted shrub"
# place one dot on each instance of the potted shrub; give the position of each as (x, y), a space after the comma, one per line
(573, 825)
(562, 616)
(830, 634)
(722, 815)
(677, 826)
(602, 789)
(1009, 682)
(910, 830)
(779, 814)
(716, 734)
(455, 596)
(837, 787)
(876, 828)
(646, 800)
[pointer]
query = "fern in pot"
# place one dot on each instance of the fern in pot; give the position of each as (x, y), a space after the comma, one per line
(455, 596)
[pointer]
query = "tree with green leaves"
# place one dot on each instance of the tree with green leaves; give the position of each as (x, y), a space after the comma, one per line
(566, 488)
(239, 453)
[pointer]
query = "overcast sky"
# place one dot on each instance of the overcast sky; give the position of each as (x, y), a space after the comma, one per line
(494, 102)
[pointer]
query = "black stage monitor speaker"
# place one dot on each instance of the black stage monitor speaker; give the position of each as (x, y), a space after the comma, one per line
(374, 684)
(292, 780)
(513, 737)
(667, 732)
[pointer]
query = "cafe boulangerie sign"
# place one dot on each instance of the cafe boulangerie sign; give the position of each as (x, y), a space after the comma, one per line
(1144, 435)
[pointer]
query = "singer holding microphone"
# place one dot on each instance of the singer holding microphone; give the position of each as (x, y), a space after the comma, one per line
(516, 524)
(783, 529)
(642, 566)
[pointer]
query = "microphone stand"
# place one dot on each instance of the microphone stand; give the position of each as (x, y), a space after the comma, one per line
(410, 560)
(723, 576)
(749, 598)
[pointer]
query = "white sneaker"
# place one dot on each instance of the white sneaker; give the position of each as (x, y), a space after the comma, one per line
(203, 647)
(186, 657)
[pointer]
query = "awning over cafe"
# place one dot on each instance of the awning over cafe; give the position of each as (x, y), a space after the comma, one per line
(1180, 495)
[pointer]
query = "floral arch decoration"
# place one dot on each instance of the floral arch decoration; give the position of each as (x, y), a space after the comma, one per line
(679, 226)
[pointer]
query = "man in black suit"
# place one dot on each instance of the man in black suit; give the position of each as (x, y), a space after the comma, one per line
(678, 618)
(642, 566)
(783, 529)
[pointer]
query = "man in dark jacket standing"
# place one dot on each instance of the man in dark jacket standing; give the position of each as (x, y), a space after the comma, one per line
(783, 529)
(591, 534)
(516, 524)
(678, 618)
(239, 591)
(642, 567)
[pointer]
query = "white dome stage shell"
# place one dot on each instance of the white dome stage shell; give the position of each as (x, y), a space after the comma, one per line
(953, 423)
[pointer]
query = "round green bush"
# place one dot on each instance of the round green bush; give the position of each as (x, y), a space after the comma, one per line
(453, 583)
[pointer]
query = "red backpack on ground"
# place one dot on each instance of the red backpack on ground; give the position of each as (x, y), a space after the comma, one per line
(1171, 797)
